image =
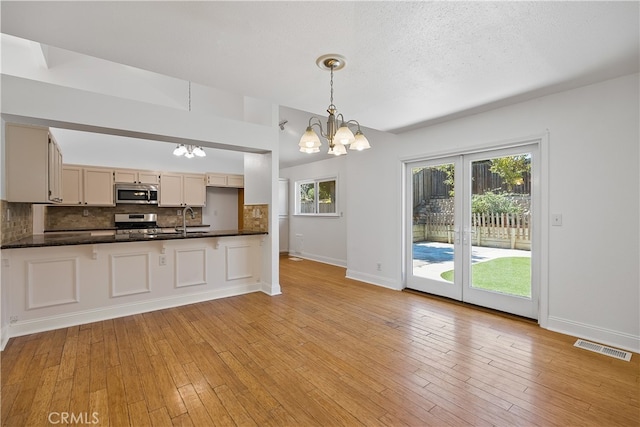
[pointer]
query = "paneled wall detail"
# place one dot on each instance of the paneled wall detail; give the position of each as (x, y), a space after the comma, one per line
(238, 262)
(130, 274)
(191, 267)
(43, 285)
(52, 282)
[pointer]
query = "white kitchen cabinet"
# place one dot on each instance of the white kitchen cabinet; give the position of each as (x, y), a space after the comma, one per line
(182, 190)
(131, 176)
(225, 180)
(33, 165)
(98, 187)
(72, 185)
(87, 186)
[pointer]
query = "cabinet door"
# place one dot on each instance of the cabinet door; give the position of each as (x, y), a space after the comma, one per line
(71, 185)
(194, 190)
(170, 189)
(98, 187)
(148, 177)
(55, 172)
(27, 164)
(235, 181)
(126, 176)
(216, 180)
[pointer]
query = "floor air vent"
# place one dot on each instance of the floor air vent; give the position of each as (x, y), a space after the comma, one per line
(607, 351)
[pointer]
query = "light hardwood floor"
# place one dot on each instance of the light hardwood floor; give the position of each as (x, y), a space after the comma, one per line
(329, 351)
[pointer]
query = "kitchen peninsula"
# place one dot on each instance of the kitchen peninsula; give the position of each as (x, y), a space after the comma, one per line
(59, 280)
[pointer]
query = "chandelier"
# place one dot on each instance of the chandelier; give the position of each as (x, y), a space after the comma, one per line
(189, 151)
(338, 134)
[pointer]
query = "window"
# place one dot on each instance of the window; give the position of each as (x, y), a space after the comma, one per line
(316, 197)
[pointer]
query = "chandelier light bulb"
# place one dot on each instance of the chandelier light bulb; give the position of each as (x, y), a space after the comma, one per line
(180, 150)
(339, 149)
(344, 135)
(360, 143)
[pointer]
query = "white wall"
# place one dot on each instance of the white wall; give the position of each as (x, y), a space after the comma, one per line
(95, 149)
(319, 238)
(593, 277)
(221, 211)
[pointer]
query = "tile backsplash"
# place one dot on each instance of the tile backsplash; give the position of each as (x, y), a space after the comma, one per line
(74, 218)
(17, 218)
(256, 217)
(17, 221)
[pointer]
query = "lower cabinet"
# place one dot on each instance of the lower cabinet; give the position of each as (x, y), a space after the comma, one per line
(53, 287)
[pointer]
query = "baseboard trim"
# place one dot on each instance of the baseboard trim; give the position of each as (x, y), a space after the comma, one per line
(66, 320)
(271, 289)
(318, 258)
(373, 280)
(4, 338)
(594, 333)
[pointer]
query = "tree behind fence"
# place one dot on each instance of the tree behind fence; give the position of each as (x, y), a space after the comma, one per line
(429, 183)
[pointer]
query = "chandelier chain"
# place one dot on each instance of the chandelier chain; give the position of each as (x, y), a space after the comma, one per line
(331, 84)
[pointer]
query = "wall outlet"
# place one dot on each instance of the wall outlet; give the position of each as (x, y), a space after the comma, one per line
(85, 212)
(162, 260)
(179, 212)
(13, 319)
(379, 266)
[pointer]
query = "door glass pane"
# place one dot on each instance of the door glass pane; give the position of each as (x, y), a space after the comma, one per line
(433, 221)
(500, 234)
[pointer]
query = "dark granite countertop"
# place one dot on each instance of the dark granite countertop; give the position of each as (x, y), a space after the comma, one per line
(80, 230)
(43, 240)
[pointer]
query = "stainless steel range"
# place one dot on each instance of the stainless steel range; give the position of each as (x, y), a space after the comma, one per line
(136, 224)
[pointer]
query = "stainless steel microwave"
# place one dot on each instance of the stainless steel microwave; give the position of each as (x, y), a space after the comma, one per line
(137, 194)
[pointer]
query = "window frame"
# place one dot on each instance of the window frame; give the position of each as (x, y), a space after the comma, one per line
(316, 182)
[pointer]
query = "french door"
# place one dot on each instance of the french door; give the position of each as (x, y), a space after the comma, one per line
(470, 220)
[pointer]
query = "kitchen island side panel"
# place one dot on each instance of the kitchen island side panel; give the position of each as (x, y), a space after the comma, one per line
(55, 287)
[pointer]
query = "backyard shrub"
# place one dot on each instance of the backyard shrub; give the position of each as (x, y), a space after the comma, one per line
(490, 202)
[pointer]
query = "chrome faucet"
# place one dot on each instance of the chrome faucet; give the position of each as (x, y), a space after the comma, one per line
(184, 219)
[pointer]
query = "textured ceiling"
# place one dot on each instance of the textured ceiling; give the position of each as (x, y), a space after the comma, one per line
(409, 63)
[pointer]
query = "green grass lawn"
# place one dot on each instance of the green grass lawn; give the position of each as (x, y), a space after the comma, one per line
(509, 275)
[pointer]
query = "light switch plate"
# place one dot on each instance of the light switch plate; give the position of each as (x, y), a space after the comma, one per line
(556, 219)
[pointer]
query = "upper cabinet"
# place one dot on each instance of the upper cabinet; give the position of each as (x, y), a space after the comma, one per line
(178, 189)
(132, 176)
(89, 186)
(33, 165)
(225, 180)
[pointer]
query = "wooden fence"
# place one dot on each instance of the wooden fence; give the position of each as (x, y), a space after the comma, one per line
(429, 182)
(508, 231)
(309, 207)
